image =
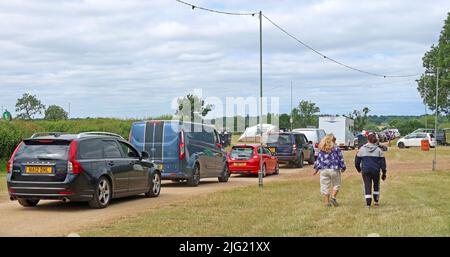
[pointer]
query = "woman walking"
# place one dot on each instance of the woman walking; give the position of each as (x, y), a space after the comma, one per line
(370, 161)
(330, 163)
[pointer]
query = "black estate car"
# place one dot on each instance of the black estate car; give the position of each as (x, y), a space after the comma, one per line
(91, 166)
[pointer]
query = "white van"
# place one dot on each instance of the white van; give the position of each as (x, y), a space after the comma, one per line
(314, 135)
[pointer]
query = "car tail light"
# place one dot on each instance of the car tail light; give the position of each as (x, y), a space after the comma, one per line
(9, 165)
(73, 165)
(182, 150)
(255, 154)
(65, 192)
(316, 145)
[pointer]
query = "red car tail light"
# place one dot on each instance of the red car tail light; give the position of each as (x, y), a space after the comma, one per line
(9, 165)
(182, 150)
(73, 165)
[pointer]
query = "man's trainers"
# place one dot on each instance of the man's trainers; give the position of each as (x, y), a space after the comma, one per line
(334, 202)
(376, 204)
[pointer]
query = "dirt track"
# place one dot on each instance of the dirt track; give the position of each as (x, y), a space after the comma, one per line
(52, 218)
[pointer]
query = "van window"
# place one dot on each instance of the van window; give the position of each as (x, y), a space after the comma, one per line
(137, 133)
(111, 149)
(90, 149)
(209, 137)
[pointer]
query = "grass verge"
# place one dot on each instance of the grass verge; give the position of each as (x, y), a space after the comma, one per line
(413, 204)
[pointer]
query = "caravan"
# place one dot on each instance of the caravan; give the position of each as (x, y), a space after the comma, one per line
(341, 128)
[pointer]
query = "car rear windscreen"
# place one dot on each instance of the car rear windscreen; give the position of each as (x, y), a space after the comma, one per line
(283, 139)
(242, 153)
(44, 150)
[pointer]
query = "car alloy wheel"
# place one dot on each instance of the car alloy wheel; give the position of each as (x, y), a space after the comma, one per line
(104, 192)
(155, 186)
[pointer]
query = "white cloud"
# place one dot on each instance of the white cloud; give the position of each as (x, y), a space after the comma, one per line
(131, 58)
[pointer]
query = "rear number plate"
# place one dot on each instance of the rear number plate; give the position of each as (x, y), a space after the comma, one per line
(240, 164)
(272, 149)
(159, 166)
(38, 170)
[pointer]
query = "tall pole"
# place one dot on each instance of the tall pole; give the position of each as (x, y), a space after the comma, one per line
(260, 175)
(436, 118)
(291, 120)
(68, 115)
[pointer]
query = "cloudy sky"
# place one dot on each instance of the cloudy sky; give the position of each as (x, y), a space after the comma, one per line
(131, 58)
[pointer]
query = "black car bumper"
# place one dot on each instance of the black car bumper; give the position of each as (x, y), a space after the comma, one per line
(69, 189)
(286, 158)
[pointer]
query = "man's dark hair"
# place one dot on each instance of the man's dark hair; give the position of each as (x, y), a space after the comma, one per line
(372, 138)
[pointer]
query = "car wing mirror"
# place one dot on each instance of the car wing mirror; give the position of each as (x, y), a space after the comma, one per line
(145, 155)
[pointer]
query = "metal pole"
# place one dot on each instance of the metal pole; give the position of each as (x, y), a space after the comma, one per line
(291, 119)
(260, 174)
(436, 118)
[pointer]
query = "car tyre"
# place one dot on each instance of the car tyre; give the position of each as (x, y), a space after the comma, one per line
(195, 179)
(28, 202)
(155, 185)
(277, 169)
(225, 174)
(401, 145)
(300, 161)
(102, 194)
(312, 158)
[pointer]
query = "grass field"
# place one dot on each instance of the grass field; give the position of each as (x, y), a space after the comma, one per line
(2, 181)
(413, 204)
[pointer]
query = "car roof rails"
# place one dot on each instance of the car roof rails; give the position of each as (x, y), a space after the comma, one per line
(55, 134)
(99, 133)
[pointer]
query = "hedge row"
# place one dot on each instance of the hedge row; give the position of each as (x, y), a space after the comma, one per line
(11, 133)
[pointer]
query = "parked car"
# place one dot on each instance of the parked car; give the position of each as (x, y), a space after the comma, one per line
(414, 139)
(440, 137)
(381, 137)
(291, 147)
(94, 167)
(314, 135)
(183, 151)
(246, 159)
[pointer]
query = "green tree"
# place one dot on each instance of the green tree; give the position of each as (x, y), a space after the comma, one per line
(27, 106)
(360, 118)
(55, 112)
(305, 114)
(437, 57)
(192, 107)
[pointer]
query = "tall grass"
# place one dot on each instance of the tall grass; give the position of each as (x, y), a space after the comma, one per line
(11, 133)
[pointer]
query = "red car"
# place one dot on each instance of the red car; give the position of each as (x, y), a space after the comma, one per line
(245, 159)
